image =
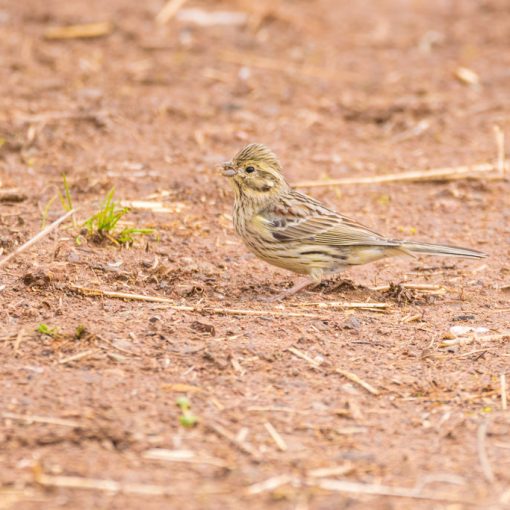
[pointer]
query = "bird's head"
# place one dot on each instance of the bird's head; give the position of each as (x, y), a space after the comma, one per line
(255, 173)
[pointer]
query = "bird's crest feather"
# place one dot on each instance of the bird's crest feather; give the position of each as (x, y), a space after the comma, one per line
(258, 153)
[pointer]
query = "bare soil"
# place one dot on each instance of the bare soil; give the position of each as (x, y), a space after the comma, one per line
(337, 89)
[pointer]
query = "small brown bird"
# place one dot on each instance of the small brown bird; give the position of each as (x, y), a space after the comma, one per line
(295, 232)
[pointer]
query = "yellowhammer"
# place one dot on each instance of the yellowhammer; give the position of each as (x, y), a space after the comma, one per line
(296, 232)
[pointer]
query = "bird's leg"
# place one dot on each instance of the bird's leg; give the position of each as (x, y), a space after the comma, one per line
(314, 279)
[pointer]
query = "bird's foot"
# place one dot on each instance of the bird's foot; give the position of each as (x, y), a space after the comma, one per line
(301, 284)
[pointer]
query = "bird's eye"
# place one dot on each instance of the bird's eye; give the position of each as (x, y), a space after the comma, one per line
(249, 169)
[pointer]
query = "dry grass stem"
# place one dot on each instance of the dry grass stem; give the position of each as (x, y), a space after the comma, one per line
(86, 31)
(354, 378)
(502, 382)
(185, 456)
(330, 471)
(500, 146)
(465, 340)
(19, 338)
(32, 418)
(261, 409)
(371, 307)
(302, 355)
(345, 486)
(86, 291)
(271, 64)
(270, 484)
(43, 118)
(154, 206)
(276, 437)
(435, 174)
(169, 10)
(240, 445)
(43, 233)
(481, 437)
(96, 484)
(78, 356)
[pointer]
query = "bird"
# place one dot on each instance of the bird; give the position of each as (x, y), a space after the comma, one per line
(293, 231)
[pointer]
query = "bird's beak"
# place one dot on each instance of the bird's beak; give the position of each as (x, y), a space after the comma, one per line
(229, 170)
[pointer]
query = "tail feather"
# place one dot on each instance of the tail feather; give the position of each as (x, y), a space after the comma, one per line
(442, 249)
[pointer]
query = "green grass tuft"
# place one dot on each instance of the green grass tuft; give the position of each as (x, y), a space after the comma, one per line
(104, 223)
(47, 330)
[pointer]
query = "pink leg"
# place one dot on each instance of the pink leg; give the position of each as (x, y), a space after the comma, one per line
(298, 286)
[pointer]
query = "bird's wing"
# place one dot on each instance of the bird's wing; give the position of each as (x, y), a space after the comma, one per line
(301, 218)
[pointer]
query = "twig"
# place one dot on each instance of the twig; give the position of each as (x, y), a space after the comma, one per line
(32, 418)
(276, 437)
(86, 291)
(169, 10)
(482, 452)
(37, 237)
(302, 355)
(502, 382)
(240, 445)
(381, 490)
(80, 355)
(435, 174)
(354, 378)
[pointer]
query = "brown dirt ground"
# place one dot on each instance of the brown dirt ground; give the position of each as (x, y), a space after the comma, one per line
(336, 89)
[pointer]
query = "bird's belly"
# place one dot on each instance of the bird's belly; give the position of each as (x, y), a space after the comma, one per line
(299, 258)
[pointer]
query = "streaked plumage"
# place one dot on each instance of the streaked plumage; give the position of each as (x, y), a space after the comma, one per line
(295, 232)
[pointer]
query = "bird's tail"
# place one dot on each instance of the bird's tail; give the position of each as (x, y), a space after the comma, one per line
(442, 249)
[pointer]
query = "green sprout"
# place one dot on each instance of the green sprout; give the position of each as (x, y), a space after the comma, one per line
(80, 331)
(47, 330)
(187, 419)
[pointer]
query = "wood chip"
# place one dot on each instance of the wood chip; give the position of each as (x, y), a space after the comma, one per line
(466, 76)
